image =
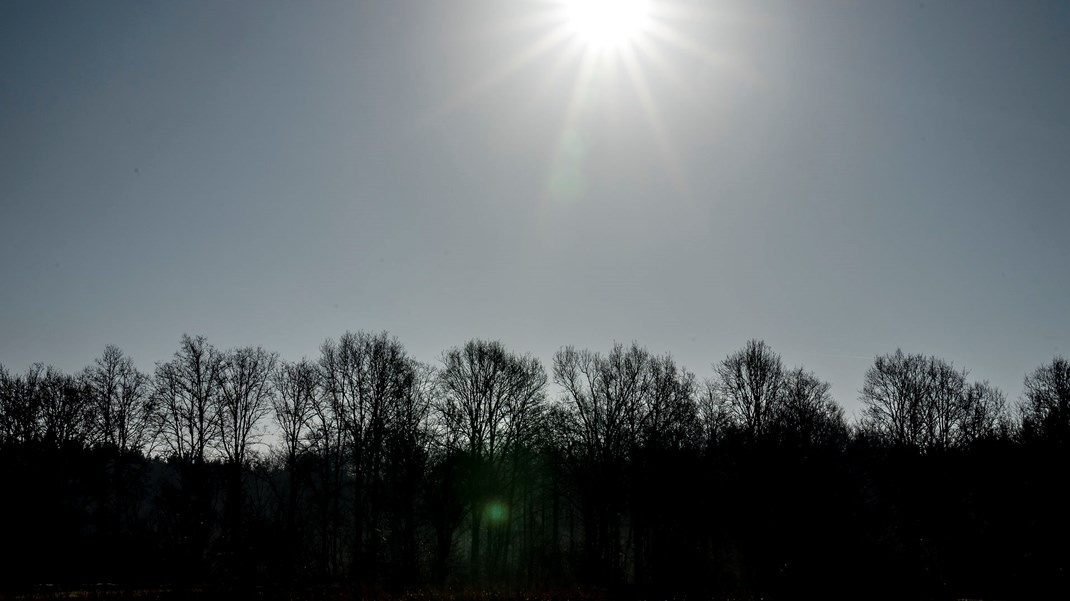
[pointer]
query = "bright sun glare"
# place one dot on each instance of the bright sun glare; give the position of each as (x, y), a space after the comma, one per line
(607, 23)
(602, 39)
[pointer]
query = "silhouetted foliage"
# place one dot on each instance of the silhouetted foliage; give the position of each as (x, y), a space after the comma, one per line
(122, 402)
(807, 415)
(923, 403)
(489, 407)
(187, 398)
(751, 385)
(381, 472)
(1046, 404)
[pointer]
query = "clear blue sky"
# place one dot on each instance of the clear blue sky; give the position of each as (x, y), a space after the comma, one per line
(838, 178)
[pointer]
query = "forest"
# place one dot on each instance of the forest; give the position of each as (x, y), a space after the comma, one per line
(609, 470)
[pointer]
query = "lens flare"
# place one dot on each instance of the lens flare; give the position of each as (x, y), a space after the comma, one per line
(496, 512)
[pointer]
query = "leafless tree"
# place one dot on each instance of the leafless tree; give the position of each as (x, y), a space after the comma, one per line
(489, 396)
(618, 406)
(407, 456)
(366, 376)
(20, 405)
(294, 405)
(122, 401)
(669, 416)
(490, 404)
(65, 408)
(715, 416)
(326, 440)
(244, 399)
(409, 419)
(892, 393)
(750, 384)
(297, 387)
(925, 403)
(606, 395)
(187, 390)
(944, 404)
(1045, 406)
(808, 415)
(986, 413)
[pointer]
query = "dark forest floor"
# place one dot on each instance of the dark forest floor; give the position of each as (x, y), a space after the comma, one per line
(268, 593)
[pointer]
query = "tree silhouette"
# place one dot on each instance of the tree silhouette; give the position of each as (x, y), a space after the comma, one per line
(122, 402)
(187, 390)
(636, 481)
(489, 406)
(1045, 406)
(297, 386)
(65, 408)
(924, 403)
(808, 416)
(366, 377)
(21, 398)
(750, 385)
(244, 399)
(624, 412)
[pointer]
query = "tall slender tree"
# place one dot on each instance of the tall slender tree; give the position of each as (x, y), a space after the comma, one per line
(122, 400)
(187, 390)
(366, 376)
(490, 404)
(244, 399)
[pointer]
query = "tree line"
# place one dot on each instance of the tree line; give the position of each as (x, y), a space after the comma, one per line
(365, 466)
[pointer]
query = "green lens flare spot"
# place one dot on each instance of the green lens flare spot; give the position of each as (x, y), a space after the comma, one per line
(496, 512)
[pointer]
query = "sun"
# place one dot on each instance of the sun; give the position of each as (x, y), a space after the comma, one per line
(607, 23)
(601, 46)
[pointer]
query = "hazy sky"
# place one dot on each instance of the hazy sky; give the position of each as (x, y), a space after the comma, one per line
(840, 179)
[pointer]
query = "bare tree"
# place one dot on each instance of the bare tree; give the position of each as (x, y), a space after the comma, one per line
(808, 415)
(366, 376)
(490, 403)
(297, 386)
(610, 407)
(488, 396)
(944, 404)
(65, 408)
(294, 405)
(925, 403)
(1045, 405)
(715, 416)
(20, 405)
(669, 416)
(986, 414)
(892, 393)
(326, 439)
(606, 395)
(407, 456)
(244, 399)
(750, 384)
(122, 401)
(186, 395)
(187, 389)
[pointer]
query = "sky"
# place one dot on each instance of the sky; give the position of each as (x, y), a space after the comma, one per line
(840, 179)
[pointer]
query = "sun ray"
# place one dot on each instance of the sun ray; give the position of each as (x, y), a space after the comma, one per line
(654, 121)
(668, 35)
(654, 54)
(566, 177)
(550, 40)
